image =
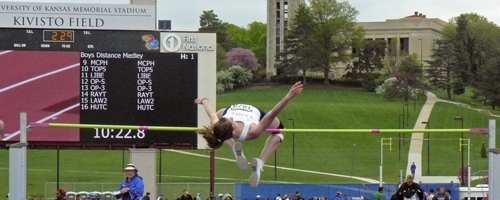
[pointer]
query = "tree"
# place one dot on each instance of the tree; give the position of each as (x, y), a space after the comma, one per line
(409, 73)
(441, 66)
(468, 45)
(393, 58)
(335, 32)
(300, 52)
(253, 37)
(210, 23)
(257, 34)
(243, 58)
(368, 58)
(488, 84)
(222, 63)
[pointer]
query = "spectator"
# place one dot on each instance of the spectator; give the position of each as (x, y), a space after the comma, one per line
(132, 187)
(338, 196)
(448, 192)
(410, 189)
(147, 196)
(186, 195)
(220, 197)
(198, 196)
(431, 194)
(78, 197)
(441, 195)
(160, 197)
(227, 196)
(258, 197)
(346, 197)
(378, 195)
(297, 196)
(61, 194)
(278, 197)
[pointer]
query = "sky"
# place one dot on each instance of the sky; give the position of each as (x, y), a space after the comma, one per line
(185, 13)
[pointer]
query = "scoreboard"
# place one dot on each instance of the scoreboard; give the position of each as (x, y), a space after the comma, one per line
(124, 80)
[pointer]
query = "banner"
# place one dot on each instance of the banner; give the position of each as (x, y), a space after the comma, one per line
(77, 16)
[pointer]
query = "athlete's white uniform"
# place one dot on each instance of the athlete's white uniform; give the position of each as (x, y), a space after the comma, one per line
(243, 113)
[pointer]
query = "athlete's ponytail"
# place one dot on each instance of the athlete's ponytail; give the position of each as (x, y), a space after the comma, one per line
(218, 133)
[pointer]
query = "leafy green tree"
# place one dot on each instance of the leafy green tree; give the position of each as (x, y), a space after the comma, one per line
(410, 72)
(335, 32)
(441, 66)
(221, 58)
(368, 58)
(300, 52)
(210, 23)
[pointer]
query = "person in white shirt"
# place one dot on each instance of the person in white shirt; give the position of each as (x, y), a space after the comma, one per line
(246, 122)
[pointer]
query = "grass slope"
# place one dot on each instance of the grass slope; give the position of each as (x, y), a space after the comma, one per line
(445, 157)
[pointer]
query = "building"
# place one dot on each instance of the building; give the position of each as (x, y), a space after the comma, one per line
(416, 34)
(279, 12)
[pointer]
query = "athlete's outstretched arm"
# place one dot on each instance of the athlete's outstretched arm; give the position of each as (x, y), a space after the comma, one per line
(210, 111)
(268, 119)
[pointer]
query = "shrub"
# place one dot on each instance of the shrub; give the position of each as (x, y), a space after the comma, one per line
(240, 76)
(224, 81)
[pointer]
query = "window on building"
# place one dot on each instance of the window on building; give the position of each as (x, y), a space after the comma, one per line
(278, 22)
(278, 49)
(277, 14)
(286, 15)
(354, 50)
(286, 24)
(278, 5)
(285, 30)
(278, 41)
(286, 5)
(278, 31)
(404, 44)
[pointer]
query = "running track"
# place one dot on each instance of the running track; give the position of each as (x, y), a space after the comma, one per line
(46, 86)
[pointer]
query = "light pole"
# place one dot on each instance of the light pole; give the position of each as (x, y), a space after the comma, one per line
(461, 119)
(293, 142)
(399, 141)
(427, 125)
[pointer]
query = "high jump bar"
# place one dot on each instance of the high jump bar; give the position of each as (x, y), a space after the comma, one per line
(173, 128)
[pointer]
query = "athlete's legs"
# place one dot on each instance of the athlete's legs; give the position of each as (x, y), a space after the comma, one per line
(272, 142)
(237, 148)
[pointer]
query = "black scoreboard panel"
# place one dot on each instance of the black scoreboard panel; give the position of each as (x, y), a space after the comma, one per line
(79, 40)
(150, 89)
(124, 80)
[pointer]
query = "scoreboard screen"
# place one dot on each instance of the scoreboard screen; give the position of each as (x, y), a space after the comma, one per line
(124, 80)
(137, 89)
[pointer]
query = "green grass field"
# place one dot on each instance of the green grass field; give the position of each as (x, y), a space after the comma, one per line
(466, 98)
(317, 107)
(445, 156)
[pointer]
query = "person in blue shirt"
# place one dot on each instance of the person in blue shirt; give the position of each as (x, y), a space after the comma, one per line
(132, 187)
(413, 168)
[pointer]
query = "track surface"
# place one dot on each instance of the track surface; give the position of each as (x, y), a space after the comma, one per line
(43, 84)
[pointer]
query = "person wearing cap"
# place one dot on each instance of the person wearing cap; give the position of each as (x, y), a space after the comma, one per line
(227, 196)
(132, 187)
(219, 197)
(61, 193)
(338, 196)
(258, 197)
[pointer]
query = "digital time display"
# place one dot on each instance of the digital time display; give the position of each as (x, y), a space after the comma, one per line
(58, 36)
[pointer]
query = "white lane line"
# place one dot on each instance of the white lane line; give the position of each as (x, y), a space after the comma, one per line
(5, 52)
(43, 120)
(38, 77)
(369, 180)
